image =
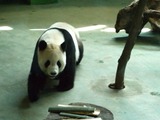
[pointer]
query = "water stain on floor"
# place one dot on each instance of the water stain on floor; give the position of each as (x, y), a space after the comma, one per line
(155, 93)
(132, 88)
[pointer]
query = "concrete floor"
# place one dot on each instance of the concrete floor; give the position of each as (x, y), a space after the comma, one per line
(140, 100)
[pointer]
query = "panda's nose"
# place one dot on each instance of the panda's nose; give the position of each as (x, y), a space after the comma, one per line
(53, 73)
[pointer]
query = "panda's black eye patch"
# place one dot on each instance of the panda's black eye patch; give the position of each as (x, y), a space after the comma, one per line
(47, 63)
(59, 64)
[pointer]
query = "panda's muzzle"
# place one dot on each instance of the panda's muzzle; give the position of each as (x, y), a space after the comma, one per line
(53, 73)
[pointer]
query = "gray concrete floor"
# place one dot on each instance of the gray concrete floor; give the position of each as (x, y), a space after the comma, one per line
(140, 100)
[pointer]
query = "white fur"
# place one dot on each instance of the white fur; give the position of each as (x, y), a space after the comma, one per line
(53, 36)
(74, 33)
(54, 54)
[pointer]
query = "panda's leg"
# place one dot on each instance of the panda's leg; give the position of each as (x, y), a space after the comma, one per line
(81, 50)
(33, 89)
(66, 79)
(35, 83)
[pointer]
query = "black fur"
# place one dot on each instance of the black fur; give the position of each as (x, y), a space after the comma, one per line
(81, 50)
(37, 78)
(42, 45)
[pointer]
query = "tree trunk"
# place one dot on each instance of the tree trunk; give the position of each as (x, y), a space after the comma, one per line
(133, 33)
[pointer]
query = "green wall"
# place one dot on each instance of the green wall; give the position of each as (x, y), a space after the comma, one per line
(43, 1)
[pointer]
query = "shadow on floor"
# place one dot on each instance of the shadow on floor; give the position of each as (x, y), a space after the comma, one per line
(148, 38)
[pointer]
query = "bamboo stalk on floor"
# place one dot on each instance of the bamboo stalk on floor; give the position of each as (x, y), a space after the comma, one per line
(58, 109)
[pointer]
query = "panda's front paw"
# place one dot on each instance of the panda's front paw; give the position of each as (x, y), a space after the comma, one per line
(33, 98)
(65, 87)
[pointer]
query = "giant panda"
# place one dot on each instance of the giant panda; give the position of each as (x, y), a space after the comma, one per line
(57, 52)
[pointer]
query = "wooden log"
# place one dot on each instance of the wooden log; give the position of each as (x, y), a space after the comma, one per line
(125, 16)
(105, 114)
(152, 14)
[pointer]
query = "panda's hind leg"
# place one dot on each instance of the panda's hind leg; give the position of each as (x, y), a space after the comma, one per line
(81, 51)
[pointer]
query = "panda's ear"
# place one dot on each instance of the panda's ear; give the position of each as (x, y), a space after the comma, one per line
(42, 45)
(63, 46)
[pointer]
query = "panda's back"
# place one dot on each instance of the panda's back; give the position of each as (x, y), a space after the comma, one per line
(67, 27)
(53, 36)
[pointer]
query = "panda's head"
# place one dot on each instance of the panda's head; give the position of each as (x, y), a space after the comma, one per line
(51, 58)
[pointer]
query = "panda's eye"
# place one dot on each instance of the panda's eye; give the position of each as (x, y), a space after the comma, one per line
(47, 63)
(59, 64)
